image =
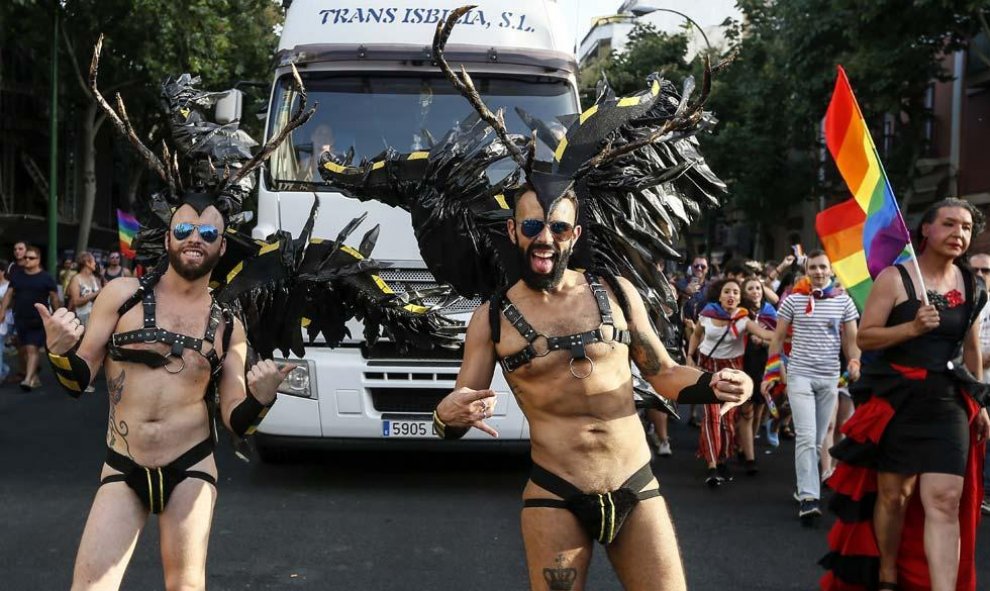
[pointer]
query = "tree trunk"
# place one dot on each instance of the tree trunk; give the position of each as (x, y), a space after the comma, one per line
(88, 137)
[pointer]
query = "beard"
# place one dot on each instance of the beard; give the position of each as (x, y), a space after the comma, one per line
(543, 281)
(194, 271)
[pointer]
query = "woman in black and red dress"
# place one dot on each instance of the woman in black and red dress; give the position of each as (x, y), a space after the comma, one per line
(907, 488)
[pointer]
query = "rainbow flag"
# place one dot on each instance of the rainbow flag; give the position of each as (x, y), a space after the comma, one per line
(127, 228)
(865, 234)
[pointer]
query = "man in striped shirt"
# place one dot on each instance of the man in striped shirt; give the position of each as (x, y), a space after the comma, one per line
(823, 318)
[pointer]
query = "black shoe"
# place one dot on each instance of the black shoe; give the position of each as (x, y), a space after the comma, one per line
(809, 512)
(713, 480)
(723, 472)
(751, 469)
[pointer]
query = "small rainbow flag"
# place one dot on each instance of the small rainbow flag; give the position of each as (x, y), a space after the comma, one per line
(865, 234)
(127, 228)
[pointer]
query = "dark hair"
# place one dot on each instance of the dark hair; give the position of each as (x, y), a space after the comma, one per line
(979, 220)
(4, 264)
(715, 289)
(748, 302)
(33, 249)
(737, 268)
(816, 253)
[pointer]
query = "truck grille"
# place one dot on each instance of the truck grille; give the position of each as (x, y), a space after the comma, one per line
(404, 280)
(407, 399)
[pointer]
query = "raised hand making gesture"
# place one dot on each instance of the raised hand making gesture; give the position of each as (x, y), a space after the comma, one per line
(62, 329)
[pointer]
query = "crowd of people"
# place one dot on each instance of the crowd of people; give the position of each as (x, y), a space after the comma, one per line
(789, 326)
(23, 283)
(916, 424)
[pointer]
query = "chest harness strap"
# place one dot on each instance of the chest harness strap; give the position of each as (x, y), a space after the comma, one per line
(539, 345)
(152, 333)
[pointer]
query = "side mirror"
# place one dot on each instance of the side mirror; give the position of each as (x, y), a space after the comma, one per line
(229, 107)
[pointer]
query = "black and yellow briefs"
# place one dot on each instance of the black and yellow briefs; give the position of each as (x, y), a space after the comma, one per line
(601, 515)
(154, 486)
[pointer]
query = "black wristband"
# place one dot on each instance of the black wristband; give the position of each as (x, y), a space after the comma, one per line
(700, 392)
(446, 432)
(245, 417)
(71, 370)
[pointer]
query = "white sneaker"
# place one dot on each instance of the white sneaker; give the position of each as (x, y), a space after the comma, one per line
(663, 448)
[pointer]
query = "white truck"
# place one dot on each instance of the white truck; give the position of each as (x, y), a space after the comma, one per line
(368, 65)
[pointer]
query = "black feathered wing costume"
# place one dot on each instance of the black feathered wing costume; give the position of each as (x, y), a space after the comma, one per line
(281, 284)
(632, 162)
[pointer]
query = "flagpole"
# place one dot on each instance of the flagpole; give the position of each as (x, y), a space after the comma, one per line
(890, 190)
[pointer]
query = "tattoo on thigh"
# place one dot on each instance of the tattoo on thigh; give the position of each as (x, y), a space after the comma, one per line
(645, 356)
(560, 577)
(116, 429)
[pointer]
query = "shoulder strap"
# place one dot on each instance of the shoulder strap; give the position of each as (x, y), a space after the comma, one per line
(728, 327)
(601, 298)
(146, 283)
(908, 282)
(620, 294)
(216, 316)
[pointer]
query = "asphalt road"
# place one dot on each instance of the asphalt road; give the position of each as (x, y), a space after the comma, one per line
(376, 520)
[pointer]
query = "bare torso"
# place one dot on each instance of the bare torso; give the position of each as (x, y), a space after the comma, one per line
(584, 430)
(156, 415)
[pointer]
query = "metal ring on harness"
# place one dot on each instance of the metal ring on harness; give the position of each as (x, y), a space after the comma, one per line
(590, 371)
(182, 366)
(544, 350)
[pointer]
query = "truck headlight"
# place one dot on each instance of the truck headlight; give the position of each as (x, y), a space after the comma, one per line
(298, 382)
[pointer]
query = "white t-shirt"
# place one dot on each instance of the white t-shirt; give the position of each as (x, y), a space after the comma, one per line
(730, 347)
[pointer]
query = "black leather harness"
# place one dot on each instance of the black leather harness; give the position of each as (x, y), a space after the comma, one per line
(152, 333)
(575, 343)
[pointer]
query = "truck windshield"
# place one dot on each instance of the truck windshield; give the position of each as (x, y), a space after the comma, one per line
(372, 112)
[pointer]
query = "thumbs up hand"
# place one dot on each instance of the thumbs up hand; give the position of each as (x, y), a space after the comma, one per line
(62, 329)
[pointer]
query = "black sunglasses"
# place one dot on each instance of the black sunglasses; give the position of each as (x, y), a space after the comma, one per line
(560, 230)
(982, 269)
(31, 258)
(207, 232)
(696, 266)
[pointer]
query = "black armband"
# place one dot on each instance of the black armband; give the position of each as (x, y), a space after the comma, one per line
(700, 392)
(245, 417)
(446, 432)
(72, 372)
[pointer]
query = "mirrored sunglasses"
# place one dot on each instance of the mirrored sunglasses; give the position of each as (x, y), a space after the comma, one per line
(208, 232)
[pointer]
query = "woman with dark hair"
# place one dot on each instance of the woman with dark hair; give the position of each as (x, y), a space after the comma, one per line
(754, 361)
(718, 343)
(918, 433)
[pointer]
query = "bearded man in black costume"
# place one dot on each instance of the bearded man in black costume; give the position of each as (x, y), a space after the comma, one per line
(588, 449)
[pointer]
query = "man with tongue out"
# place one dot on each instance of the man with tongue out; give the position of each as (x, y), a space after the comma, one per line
(565, 340)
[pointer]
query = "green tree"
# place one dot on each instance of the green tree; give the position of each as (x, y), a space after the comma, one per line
(773, 98)
(647, 51)
(222, 41)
